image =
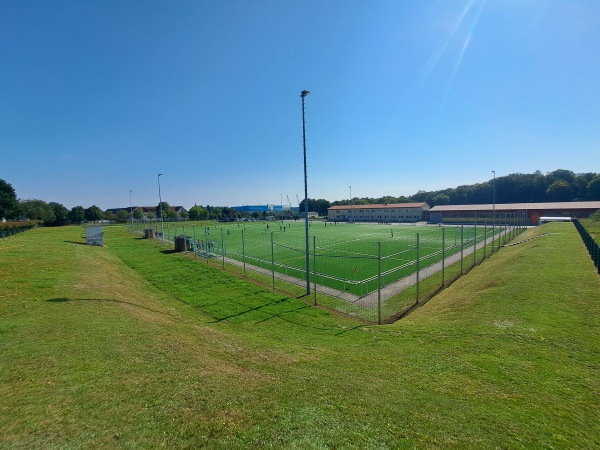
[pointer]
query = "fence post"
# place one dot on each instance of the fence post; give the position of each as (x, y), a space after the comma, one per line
(206, 242)
(272, 260)
(485, 240)
(379, 282)
(512, 226)
(222, 248)
(443, 255)
(195, 242)
(475, 243)
(493, 235)
(244, 251)
(417, 271)
(462, 246)
(315, 267)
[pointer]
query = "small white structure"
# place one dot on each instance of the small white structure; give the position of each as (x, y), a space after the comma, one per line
(94, 235)
(554, 219)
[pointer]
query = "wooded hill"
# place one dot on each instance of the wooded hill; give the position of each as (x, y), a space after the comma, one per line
(558, 186)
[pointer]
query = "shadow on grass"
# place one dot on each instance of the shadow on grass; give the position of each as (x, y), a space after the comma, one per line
(250, 310)
(66, 299)
(168, 252)
(75, 242)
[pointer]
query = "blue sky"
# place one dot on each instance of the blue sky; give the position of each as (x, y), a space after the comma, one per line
(98, 97)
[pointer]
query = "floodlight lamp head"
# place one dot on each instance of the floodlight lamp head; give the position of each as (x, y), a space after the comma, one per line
(304, 93)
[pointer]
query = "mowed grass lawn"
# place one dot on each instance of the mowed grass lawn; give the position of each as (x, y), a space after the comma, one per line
(131, 346)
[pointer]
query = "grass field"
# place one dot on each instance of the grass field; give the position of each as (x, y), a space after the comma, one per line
(131, 346)
(354, 258)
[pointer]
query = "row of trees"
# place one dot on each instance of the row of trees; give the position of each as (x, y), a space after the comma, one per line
(51, 214)
(558, 186)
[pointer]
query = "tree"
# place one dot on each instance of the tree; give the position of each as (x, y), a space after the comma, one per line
(560, 191)
(122, 216)
(593, 188)
(61, 214)
(228, 214)
(580, 185)
(93, 213)
(561, 174)
(77, 214)
(165, 208)
(198, 213)
(440, 199)
(138, 214)
(9, 205)
(321, 206)
(35, 209)
(215, 212)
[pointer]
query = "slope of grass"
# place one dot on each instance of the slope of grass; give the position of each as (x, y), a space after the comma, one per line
(593, 227)
(130, 346)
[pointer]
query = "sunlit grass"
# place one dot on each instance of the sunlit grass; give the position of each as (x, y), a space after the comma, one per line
(130, 346)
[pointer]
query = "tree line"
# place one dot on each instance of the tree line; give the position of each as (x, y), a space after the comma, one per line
(558, 186)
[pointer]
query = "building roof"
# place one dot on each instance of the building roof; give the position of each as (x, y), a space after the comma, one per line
(518, 206)
(379, 206)
(145, 208)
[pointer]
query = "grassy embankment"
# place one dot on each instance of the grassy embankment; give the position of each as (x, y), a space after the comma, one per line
(129, 346)
(593, 227)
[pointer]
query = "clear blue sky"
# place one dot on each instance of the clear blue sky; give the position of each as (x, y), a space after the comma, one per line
(98, 97)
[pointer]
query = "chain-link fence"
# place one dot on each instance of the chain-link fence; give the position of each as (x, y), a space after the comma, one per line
(590, 243)
(8, 231)
(373, 279)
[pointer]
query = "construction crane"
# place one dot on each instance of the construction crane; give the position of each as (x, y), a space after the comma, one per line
(289, 203)
(298, 201)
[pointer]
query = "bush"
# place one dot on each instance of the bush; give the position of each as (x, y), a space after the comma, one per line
(14, 225)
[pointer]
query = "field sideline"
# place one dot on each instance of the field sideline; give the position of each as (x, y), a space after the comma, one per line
(132, 346)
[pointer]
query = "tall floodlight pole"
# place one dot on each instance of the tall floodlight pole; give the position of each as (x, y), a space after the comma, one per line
(162, 225)
(130, 210)
(302, 95)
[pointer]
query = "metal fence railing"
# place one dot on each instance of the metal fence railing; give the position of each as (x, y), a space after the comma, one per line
(590, 243)
(374, 280)
(6, 232)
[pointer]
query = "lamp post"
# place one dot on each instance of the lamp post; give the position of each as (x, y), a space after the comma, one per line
(162, 225)
(303, 94)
